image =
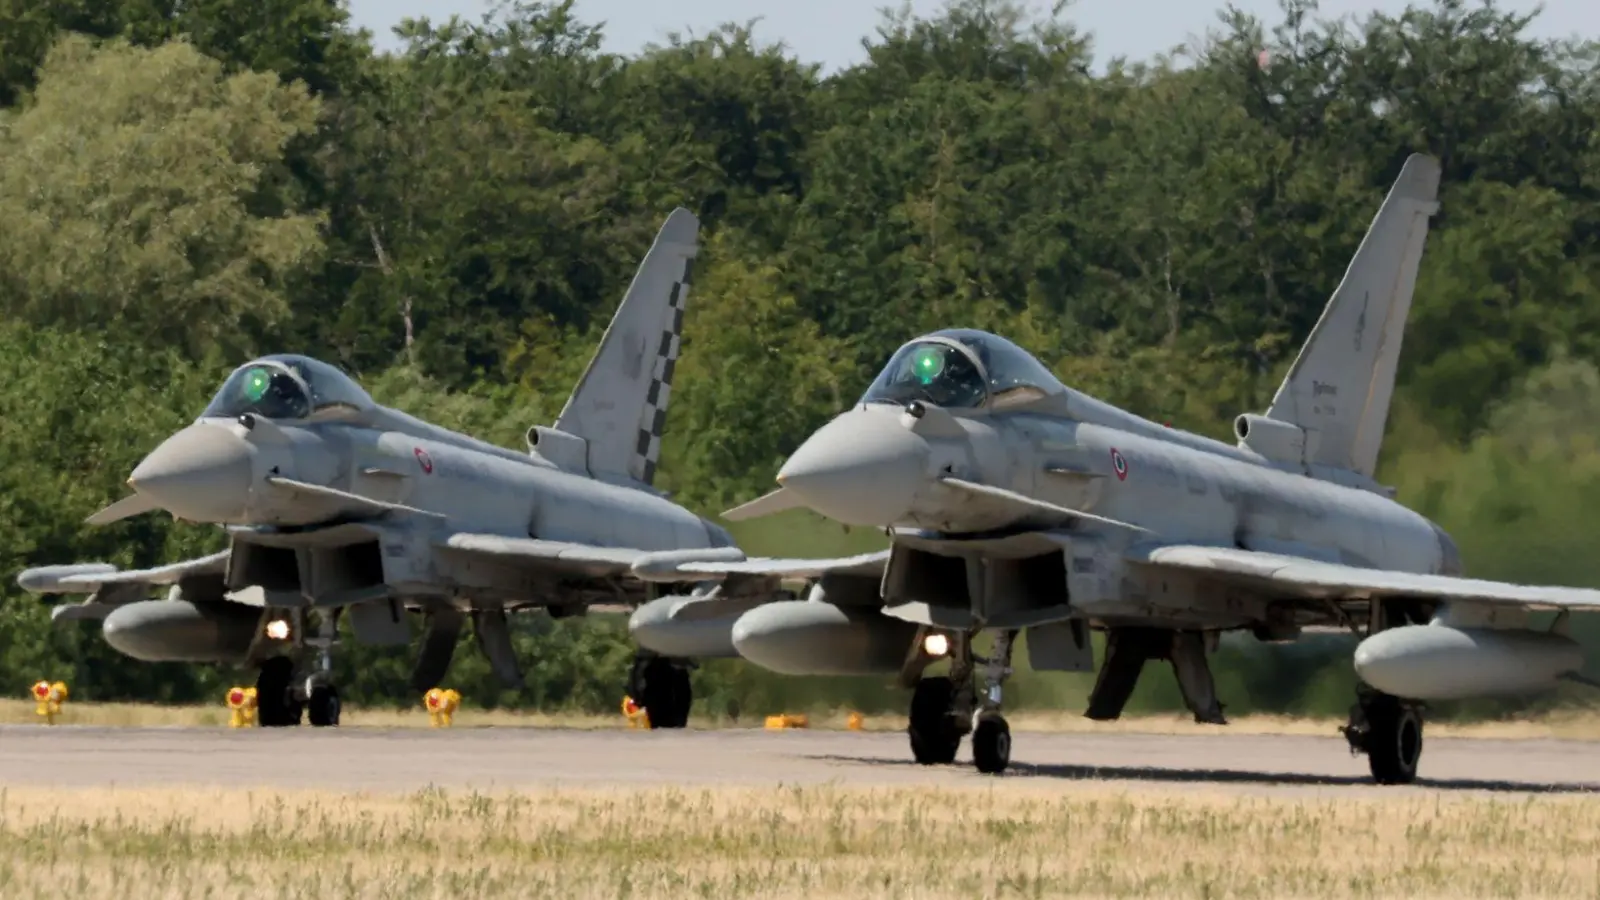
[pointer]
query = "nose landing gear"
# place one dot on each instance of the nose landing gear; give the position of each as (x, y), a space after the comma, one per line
(991, 735)
(283, 699)
(945, 709)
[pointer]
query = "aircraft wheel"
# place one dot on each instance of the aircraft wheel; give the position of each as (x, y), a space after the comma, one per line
(275, 707)
(666, 694)
(933, 732)
(324, 706)
(1394, 740)
(991, 744)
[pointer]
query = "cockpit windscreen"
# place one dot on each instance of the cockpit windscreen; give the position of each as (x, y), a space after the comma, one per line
(286, 387)
(962, 369)
(931, 371)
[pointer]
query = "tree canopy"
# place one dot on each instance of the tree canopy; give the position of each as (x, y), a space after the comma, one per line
(184, 185)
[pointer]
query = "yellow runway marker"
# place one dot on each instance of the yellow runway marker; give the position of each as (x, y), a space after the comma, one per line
(49, 698)
(441, 706)
(242, 706)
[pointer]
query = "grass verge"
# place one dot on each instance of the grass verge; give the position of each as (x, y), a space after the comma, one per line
(1000, 841)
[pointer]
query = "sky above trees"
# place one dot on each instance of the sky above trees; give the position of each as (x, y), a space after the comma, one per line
(830, 31)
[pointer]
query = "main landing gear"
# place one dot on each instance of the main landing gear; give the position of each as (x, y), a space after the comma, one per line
(944, 709)
(286, 691)
(661, 685)
(1389, 731)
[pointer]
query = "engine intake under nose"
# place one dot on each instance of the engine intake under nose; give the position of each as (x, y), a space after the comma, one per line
(182, 631)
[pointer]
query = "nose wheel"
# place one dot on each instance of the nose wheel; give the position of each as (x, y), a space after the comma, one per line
(935, 731)
(276, 706)
(323, 706)
(991, 735)
(944, 709)
(322, 698)
(991, 743)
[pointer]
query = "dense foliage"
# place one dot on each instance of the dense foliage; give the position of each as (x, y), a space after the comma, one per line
(182, 185)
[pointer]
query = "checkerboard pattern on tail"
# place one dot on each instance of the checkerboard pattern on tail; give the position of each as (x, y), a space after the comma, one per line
(654, 420)
(619, 407)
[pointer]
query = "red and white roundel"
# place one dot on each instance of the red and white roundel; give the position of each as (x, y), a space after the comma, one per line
(424, 460)
(1119, 464)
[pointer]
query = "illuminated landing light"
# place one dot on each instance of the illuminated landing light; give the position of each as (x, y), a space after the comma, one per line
(936, 645)
(277, 629)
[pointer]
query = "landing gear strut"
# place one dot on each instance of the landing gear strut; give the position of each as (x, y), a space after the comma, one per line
(991, 736)
(322, 698)
(945, 709)
(661, 686)
(1389, 731)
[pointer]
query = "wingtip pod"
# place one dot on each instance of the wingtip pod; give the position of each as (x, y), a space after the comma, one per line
(48, 579)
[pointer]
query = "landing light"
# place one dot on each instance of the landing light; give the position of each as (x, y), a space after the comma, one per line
(277, 629)
(936, 645)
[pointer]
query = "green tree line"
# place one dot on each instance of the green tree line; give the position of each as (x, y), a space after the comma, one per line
(185, 185)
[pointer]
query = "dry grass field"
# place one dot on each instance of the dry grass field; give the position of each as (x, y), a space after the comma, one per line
(1007, 840)
(1024, 837)
(1581, 724)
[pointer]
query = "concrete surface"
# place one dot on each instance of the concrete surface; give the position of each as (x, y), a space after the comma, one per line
(489, 758)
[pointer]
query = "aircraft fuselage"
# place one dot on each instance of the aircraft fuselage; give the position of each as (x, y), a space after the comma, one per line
(1082, 455)
(447, 483)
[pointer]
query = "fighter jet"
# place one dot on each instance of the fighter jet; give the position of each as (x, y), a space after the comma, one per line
(1017, 505)
(337, 506)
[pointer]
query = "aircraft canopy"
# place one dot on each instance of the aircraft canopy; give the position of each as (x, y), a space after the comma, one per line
(962, 368)
(286, 386)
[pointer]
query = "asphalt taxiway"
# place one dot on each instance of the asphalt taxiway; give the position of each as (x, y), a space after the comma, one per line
(403, 759)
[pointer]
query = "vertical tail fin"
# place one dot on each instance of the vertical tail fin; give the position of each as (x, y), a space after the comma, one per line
(619, 406)
(1339, 388)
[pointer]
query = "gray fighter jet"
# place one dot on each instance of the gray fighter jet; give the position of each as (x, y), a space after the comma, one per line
(335, 506)
(1016, 504)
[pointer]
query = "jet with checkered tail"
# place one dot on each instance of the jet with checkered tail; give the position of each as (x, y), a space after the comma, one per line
(336, 507)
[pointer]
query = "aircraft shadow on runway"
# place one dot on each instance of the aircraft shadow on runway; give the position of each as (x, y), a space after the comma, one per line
(1231, 776)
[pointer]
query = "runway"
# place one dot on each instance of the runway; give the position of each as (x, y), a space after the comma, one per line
(501, 758)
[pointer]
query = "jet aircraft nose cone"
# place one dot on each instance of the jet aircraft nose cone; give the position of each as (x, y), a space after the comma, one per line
(862, 468)
(201, 474)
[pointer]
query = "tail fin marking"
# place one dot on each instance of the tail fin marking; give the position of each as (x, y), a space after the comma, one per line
(654, 421)
(1340, 386)
(619, 406)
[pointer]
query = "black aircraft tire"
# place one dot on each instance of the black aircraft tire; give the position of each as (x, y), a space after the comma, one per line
(274, 707)
(1394, 741)
(991, 745)
(934, 736)
(666, 694)
(324, 706)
